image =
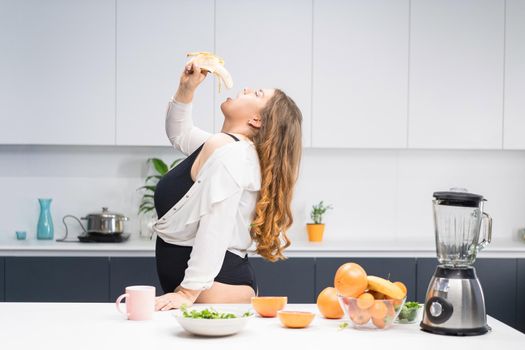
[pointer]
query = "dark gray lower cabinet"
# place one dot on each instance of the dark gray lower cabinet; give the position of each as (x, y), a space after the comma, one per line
(520, 295)
(132, 271)
(397, 269)
(57, 279)
(2, 279)
(425, 268)
(293, 278)
(497, 278)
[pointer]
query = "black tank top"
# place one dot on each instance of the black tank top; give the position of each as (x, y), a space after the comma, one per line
(175, 183)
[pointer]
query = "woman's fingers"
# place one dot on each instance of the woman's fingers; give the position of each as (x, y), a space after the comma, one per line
(192, 69)
(192, 76)
(198, 72)
(171, 301)
(167, 306)
(161, 303)
(189, 68)
(167, 302)
(158, 304)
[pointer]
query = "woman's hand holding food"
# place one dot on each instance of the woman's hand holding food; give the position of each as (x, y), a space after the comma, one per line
(190, 79)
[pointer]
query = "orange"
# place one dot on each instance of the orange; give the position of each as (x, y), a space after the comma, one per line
(295, 319)
(397, 302)
(390, 311)
(379, 322)
(328, 304)
(379, 309)
(377, 295)
(365, 300)
(360, 316)
(402, 286)
(268, 306)
(350, 280)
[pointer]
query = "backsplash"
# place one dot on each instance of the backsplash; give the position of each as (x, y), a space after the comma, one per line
(381, 198)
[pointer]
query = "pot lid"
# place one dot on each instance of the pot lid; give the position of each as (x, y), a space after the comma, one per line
(108, 214)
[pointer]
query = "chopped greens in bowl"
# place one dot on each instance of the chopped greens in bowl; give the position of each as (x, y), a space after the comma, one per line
(409, 312)
(208, 321)
(210, 314)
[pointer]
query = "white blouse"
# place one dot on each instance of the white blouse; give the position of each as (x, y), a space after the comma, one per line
(216, 212)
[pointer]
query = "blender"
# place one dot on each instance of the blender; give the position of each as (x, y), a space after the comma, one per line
(454, 303)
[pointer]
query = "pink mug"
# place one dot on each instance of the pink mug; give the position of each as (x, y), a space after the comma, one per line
(140, 302)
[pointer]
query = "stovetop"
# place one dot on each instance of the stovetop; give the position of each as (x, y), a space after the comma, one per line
(97, 238)
(103, 238)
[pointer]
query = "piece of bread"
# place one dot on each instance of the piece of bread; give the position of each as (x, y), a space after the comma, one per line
(214, 65)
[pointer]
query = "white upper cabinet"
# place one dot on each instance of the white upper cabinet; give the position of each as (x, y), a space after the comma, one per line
(267, 44)
(57, 72)
(514, 112)
(456, 74)
(360, 73)
(153, 38)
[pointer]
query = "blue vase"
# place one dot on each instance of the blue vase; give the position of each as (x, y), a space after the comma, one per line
(44, 229)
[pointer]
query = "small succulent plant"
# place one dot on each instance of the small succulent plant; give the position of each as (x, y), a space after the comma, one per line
(318, 210)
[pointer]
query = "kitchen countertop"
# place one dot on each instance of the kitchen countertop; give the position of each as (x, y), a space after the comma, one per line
(100, 326)
(135, 246)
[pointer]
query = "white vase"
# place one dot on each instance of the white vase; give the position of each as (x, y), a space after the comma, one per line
(147, 220)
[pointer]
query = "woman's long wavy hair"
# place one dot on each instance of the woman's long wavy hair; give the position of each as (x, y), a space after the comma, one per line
(279, 146)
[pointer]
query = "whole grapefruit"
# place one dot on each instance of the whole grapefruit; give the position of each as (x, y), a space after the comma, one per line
(350, 280)
(328, 304)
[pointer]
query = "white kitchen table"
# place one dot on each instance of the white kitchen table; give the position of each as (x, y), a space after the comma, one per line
(98, 326)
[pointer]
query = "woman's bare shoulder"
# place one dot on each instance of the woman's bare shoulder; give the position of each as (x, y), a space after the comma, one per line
(239, 157)
(213, 143)
(224, 149)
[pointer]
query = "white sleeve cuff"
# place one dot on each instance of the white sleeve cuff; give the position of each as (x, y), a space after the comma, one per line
(196, 285)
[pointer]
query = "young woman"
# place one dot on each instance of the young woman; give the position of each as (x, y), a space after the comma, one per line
(234, 189)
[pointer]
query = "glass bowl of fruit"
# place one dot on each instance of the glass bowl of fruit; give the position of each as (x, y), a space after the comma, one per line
(368, 301)
(369, 311)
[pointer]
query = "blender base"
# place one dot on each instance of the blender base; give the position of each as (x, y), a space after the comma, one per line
(461, 332)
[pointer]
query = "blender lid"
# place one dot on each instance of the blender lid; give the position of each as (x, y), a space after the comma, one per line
(458, 199)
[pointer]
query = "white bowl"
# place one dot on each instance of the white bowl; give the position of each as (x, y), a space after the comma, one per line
(214, 327)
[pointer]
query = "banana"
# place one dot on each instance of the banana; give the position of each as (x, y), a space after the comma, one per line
(386, 287)
(214, 65)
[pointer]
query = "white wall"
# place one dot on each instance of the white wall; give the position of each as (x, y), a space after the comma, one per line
(381, 197)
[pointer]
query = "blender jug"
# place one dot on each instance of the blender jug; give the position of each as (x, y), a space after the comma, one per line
(458, 218)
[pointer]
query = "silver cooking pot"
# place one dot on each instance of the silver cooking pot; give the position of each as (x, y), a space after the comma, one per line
(105, 223)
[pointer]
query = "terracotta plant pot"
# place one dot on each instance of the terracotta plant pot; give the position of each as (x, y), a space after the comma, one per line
(315, 232)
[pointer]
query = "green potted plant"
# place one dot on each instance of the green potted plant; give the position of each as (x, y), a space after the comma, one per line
(147, 212)
(315, 229)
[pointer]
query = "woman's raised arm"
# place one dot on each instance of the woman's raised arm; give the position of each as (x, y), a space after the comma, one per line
(181, 132)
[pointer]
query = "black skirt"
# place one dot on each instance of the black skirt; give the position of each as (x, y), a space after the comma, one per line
(172, 261)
